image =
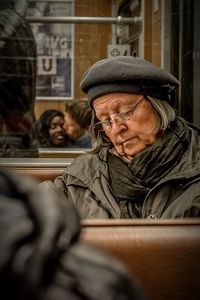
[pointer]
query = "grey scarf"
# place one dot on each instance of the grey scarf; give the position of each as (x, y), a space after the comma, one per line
(132, 181)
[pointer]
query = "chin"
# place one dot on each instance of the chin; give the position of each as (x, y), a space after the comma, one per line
(134, 151)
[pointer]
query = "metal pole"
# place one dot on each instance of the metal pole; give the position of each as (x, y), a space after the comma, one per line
(51, 1)
(85, 20)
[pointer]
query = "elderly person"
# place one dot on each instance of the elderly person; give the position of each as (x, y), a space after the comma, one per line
(145, 162)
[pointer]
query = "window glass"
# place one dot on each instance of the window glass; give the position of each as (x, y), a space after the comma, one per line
(69, 37)
(55, 47)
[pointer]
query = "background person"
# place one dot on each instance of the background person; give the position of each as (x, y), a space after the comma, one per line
(17, 81)
(77, 122)
(50, 129)
(146, 160)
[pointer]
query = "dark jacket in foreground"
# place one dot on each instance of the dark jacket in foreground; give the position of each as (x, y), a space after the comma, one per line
(42, 256)
(161, 182)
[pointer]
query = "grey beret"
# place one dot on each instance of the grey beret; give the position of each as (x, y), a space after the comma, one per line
(128, 74)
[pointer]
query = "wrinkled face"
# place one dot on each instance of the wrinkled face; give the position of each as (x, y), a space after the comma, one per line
(73, 129)
(134, 134)
(56, 132)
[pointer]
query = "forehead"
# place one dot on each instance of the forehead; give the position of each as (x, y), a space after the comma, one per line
(113, 100)
(69, 119)
(57, 119)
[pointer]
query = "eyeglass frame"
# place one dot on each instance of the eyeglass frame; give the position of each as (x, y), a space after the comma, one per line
(118, 115)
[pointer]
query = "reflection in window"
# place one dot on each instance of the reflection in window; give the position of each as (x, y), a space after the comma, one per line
(17, 83)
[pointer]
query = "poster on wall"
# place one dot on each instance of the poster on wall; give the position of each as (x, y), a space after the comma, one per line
(55, 47)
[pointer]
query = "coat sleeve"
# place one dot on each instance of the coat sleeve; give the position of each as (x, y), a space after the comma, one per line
(85, 201)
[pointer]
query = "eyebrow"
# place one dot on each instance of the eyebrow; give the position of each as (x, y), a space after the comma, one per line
(100, 115)
(113, 108)
(116, 106)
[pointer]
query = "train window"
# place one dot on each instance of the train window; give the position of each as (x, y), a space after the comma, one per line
(69, 36)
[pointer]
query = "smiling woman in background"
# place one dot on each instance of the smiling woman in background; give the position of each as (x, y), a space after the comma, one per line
(50, 130)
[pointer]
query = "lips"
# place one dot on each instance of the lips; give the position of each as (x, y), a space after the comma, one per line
(59, 137)
(125, 141)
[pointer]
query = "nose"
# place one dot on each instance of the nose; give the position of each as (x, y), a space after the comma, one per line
(60, 128)
(118, 126)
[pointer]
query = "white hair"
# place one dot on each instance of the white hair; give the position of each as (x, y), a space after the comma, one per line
(164, 110)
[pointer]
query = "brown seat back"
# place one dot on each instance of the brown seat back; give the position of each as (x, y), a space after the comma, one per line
(164, 255)
(39, 168)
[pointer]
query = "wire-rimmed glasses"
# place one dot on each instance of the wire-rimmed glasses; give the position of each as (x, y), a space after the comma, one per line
(120, 117)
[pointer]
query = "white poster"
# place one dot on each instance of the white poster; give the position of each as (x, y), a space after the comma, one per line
(118, 50)
(55, 46)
